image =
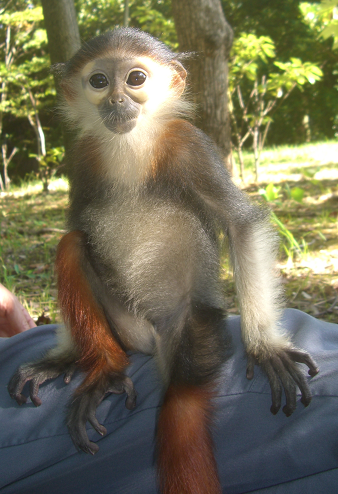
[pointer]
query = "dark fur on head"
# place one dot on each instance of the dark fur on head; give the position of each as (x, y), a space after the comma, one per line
(129, 41)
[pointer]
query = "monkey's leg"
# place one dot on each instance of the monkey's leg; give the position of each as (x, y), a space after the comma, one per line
(253, 252)
(186, 462)
(101, 357)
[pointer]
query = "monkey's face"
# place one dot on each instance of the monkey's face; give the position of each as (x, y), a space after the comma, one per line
(125, 90)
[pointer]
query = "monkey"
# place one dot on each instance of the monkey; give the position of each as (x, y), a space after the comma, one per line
(139, 266)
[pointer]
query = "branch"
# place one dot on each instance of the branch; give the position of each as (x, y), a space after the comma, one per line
(3, 10)
(6, 162)
(240, 97)
(37, 126)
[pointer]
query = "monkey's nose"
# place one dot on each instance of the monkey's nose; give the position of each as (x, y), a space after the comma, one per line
(116, 99)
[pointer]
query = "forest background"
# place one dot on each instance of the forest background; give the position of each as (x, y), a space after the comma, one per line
(282, 81)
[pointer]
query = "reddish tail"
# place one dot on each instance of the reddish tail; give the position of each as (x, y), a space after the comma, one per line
(186, 462)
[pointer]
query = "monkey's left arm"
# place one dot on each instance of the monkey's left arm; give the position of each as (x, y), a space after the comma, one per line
(253, 246)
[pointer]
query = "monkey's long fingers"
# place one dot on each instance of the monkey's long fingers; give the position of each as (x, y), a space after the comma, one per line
(289, 386)
(15, 388)
(69, 374)
(81, 441)
(125, 385)
(278, 373)
(91, 414)
(33, 391)
(276, 387)
(304, 358)
(17, 383)
(131, 394)
(83, 408)
(96, 425)
(250, 366)
(299, 379)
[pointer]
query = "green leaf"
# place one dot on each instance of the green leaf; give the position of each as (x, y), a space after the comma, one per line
(271, 193)
(297, 194)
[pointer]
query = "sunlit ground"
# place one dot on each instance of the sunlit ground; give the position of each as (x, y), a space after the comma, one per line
(310, 276)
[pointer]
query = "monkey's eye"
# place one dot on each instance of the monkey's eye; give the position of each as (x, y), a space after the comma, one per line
(136, 78)
(98, 81)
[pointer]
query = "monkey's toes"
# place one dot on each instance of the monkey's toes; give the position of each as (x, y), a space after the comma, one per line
(123, 384)
(19, 398)
(303, 358)
(15, 387)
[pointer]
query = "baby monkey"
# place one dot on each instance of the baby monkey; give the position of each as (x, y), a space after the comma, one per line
(139, 268)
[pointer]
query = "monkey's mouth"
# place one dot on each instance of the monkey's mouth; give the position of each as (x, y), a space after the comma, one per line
(120, 126)
(120, 118)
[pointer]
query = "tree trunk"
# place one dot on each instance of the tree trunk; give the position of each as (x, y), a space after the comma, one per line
(62, 29)
(4, 184)
(201, 28)
(63, 42)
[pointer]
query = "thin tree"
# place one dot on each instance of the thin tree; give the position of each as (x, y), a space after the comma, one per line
(63, 42)
(62, 29)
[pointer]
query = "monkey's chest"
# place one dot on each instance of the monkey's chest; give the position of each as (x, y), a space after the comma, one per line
(147, 245)
(137, 233)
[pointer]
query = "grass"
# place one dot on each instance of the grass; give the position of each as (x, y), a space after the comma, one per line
(310, 276)
(31, 224)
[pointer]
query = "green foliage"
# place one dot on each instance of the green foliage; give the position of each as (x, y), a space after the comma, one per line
(25, 69)
(49, 164)
(249, 59)
(294, 28)
(154, 16)
(270, 193)
(328, 12)
(294, 72)
(26, 85)
(147, 16)
(297, 194)
(249, 63)
(291, 245)
(247, 51)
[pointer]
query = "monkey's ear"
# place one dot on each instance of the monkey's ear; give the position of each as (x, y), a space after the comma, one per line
(178, 81)
(58, 70)
(58, 67)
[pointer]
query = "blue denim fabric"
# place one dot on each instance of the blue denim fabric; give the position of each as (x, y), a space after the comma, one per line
(256, 452)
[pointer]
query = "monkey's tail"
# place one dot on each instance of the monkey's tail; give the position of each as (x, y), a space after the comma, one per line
(186, 462)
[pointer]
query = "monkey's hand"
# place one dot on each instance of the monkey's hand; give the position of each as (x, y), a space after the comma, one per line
(85, 403)
(283, 372)
(37, 373)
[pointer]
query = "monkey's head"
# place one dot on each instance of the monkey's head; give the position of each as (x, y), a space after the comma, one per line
(119, 79)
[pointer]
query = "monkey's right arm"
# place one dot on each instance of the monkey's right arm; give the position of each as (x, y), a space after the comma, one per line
(91, 346)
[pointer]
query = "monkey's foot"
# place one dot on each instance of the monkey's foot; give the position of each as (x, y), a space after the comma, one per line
(283, 372)
(85, 403)
(37, 373)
